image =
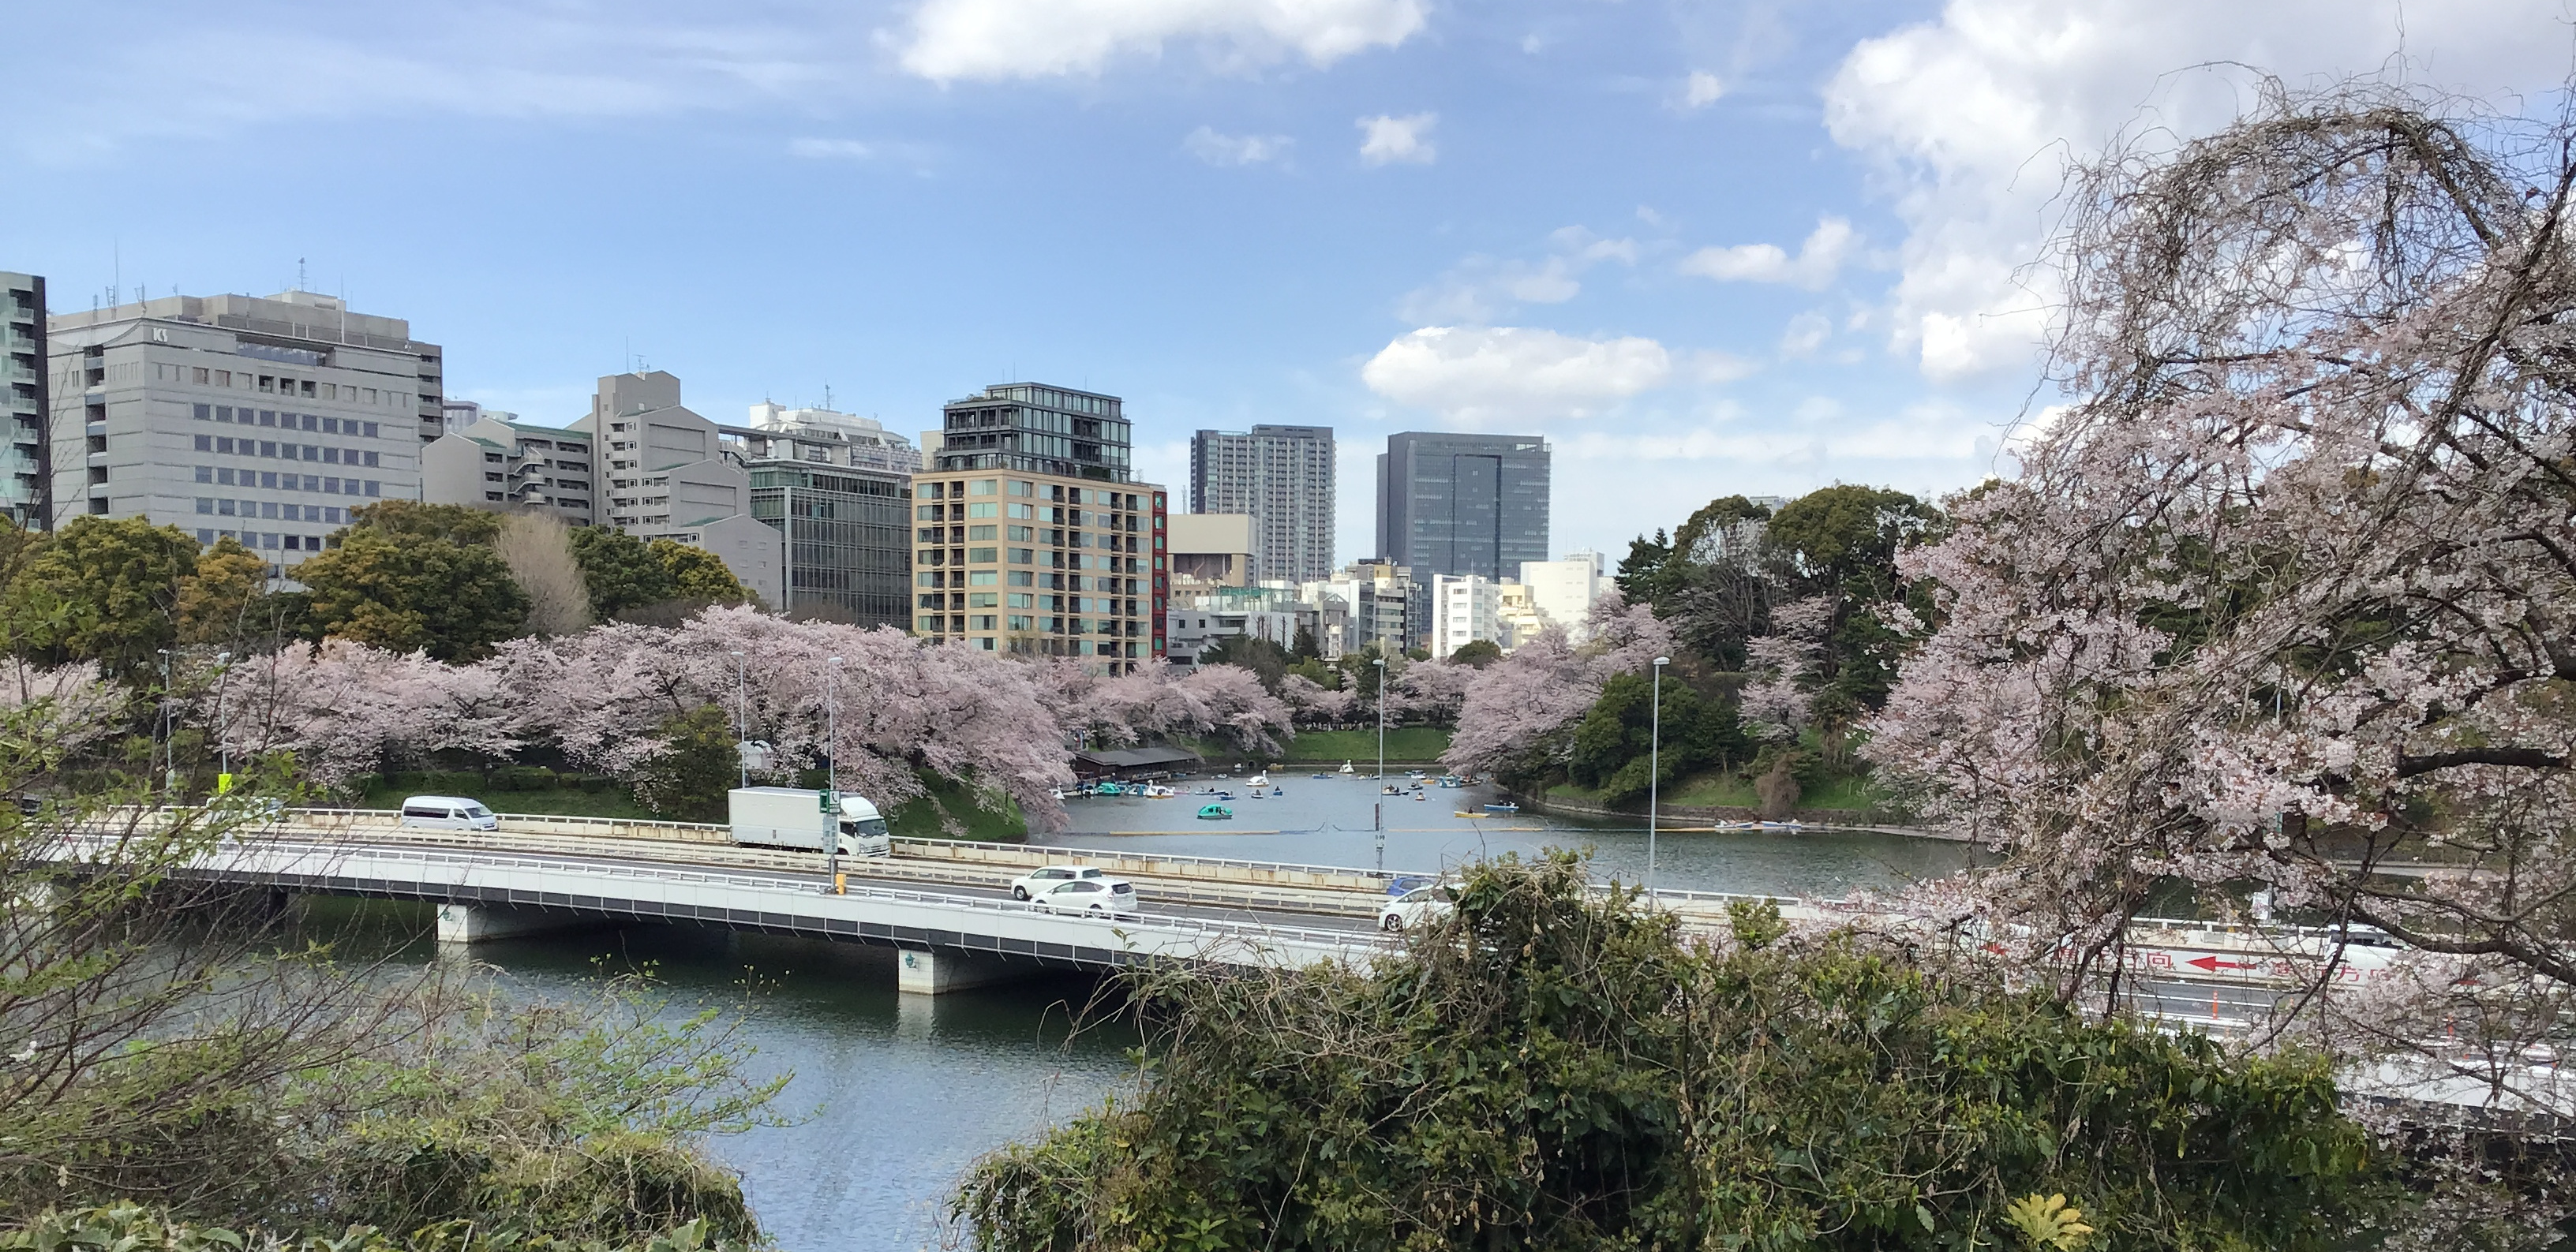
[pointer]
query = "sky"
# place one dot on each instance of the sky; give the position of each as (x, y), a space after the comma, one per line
(1704, 249)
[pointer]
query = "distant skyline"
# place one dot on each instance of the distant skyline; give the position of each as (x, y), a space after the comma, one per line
(1702, 249)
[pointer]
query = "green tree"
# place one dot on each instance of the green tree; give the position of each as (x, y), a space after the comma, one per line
(1646, 575)
(1303, 648)
(690, 778)
(1477, 652)
(225, 599)
(1554, 1068)
(697, 574)
(455, 523)
(100, 589)
(412, 589)
(620, 571)
(1268, 661)
(1614, 744)
(1844, 539)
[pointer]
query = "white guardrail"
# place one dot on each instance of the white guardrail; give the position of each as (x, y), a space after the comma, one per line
(564, 882)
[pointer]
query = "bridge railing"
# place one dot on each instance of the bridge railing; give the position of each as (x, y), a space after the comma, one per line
(1278, 873)
(427, 856)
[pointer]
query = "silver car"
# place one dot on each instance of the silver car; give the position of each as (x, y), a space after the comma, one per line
(1089, 897)
(1413, 908)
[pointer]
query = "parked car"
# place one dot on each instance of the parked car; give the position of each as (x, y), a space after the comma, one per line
(1422, 904)
(448, 813)
(1089, 897)
(1039, 881)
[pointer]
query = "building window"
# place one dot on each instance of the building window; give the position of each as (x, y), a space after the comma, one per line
(982, 556)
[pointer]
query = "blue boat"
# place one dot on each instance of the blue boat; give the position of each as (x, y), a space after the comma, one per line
(1502, 808)
(1215, 813)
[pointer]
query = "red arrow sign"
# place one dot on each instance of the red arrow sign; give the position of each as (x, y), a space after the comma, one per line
(2213, 963)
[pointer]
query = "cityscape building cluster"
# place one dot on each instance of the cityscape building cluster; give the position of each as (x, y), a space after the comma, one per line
(1018, 526)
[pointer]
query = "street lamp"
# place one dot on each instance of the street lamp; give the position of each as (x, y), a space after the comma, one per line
(223, 724)
(1380, 663)
(832, 770)
(169, 749)
(1654, 773)
(741, 714)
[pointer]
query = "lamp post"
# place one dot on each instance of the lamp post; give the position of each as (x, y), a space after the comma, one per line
(169, 749)
(1654, 772)
(832, 771)
(1380, 663)
(741, 714)
(223, 724)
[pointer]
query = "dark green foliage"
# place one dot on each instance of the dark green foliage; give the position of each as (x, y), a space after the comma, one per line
(1613, 744)
(688, 781)
(620, 570)
(1267, 660)
(1553, 1069)
(1304, 649)
(133, 1228)
(1477, 652)
(454, 523)
(697, 574)
(408, 586)
(99, 589)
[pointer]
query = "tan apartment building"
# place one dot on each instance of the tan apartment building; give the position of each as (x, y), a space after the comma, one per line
(1031, 539)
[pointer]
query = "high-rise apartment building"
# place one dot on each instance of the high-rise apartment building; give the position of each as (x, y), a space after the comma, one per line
(1462, 504)
(24, 475)
(838, 488)
(1464, 609)
(264, 421)
(663, 472)
(1283, 477)
(1032, 538)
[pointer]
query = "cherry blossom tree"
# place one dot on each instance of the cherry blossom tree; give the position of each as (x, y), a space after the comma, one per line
(1312, 702)
(2285, 594)
(1787, 662)
(346, 709)
(1516, 717)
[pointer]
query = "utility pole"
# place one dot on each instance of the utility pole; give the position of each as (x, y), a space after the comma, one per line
(1380, 663)
(741, 715)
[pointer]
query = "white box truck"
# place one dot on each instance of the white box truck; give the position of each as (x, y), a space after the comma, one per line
(793, 817)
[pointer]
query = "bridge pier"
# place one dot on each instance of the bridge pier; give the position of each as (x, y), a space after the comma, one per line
(930, 973)
(474, 923)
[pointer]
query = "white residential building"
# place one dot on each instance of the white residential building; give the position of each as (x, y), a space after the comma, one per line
(827, 437)
(1464, 609)
(1564, 590)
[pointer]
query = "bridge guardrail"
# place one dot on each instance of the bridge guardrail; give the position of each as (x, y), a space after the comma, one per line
(804, 886)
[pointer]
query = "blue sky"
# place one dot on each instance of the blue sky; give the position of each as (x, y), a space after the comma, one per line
(1702, 247)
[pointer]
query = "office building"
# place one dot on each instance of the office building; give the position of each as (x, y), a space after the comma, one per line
(663, 472)
(1031, 536)
(1464, 609)
(1564, 590)
(1462, 504)
(261, 420)
(25, 478)
(456, 415)
(837, 488)
(1283, 477)
(494, 463)
(826, 437)
(1210, 550)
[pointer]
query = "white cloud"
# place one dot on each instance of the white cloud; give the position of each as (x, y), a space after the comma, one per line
(998, 39)
(1818, 259)
(1805, 333)
(1217, 149)
(831, 149)
(1390, 139)
(1702, 89)
(1481, 288)
(1471, 373)
(1969, 119)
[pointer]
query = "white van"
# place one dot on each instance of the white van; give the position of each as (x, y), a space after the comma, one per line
(448, 813)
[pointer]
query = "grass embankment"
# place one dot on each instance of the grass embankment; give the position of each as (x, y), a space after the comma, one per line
(921, 818)
(586, 797)
(1403, 743)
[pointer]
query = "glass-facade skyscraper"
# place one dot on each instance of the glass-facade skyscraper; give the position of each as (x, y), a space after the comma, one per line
(1462, 504)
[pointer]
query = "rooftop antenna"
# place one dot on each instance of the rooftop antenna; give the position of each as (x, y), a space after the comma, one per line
(299, 273)
(827, 395)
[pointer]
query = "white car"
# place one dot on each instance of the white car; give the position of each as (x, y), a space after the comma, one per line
(448, 813)
(1035, 882)
(1088, 897)
(1413, 908)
